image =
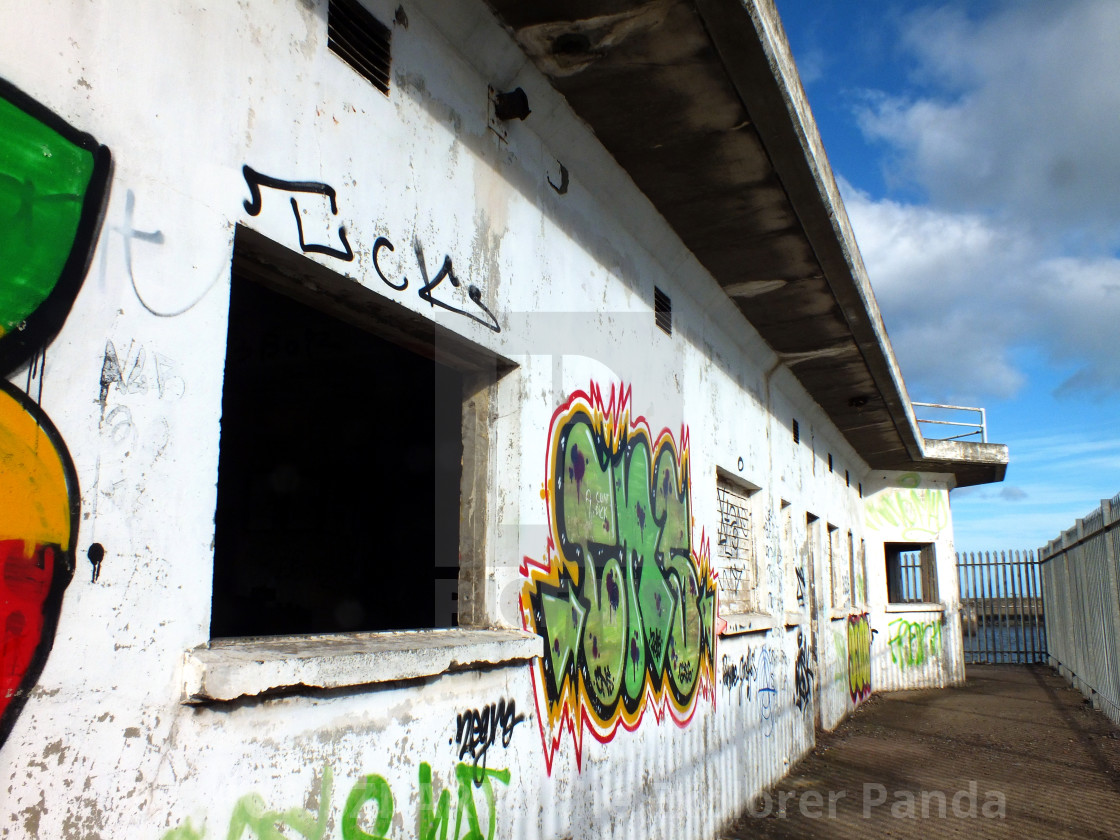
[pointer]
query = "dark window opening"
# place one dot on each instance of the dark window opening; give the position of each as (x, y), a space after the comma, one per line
(338, 477)
(796, 432)
(662, 311)
(911, 573)
(830, 462)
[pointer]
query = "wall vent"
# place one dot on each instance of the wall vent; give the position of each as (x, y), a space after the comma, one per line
(361, 40)
(663, 311)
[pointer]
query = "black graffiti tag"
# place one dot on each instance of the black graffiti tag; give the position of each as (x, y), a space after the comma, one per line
(803, 674)
(256, 180)
(476, 730)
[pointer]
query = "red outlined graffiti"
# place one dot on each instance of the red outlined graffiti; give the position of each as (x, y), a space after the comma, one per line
(624, 598)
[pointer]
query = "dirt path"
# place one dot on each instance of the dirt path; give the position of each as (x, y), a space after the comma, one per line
(1013, 753)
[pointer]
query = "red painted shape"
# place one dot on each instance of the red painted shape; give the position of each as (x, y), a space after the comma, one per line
(25, 584)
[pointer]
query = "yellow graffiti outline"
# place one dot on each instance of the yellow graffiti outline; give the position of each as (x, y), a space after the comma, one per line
(573, 709)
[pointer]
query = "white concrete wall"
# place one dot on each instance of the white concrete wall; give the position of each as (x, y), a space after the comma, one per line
(915, 645)
(184, 96)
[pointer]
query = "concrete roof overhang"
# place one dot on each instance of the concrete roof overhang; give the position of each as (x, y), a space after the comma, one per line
(700, 102)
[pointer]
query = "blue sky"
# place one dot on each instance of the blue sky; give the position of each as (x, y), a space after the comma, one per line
(977, 145)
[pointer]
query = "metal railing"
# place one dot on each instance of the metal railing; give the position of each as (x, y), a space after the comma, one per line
(979, 427)
(1080, 580)
(1002, 614)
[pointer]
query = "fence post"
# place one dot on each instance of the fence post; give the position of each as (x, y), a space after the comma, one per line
(1112, 596)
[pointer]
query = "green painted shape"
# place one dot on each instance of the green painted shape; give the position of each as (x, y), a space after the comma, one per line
(670, 508)
(605, 634)
(638, 535)
(563, 618)
(435, 816)
(250, 812)
(370, 788)
(588, 498)
(658, 605)
(468, 783)
(43, 180)
(684, 638)
(708, 619)
(637, 530)
(634, 672)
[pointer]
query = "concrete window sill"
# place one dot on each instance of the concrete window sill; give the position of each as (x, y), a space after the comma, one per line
(909, 608)
(739, 623)
(227, 669)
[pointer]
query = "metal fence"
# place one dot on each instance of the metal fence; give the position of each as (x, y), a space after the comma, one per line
(1079, 576)
(1002, 615)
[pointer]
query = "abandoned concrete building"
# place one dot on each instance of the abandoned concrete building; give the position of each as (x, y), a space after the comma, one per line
(348, 350)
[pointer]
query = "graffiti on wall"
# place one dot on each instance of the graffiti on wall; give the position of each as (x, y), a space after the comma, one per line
(369, 810)
(737, 676)
(625, 599)
(465, 300)
(859, 657)
(918, 513)
(476, 730)
(803, 674)
(913, 643)
(53, 187)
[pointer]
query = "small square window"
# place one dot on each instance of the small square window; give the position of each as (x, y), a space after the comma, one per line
(911, 573)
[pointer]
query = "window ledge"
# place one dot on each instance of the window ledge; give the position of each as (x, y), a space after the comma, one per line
(795, 618)
(904, 608)
(739, 623)
(227, 669)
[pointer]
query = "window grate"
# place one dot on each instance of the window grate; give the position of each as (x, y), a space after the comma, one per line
(796, 432)
(663, 311)
(361, 40)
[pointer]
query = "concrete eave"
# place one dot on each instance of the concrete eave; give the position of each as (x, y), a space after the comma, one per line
(701, 104)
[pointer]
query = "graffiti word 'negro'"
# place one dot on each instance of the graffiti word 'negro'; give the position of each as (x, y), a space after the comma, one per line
(370, 793)
(476, 730)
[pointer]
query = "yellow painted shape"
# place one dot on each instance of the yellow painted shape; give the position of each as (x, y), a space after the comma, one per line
(34, 503)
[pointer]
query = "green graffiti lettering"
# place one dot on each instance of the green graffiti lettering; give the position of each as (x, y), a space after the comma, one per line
(250, 812)
(626, 606)
(913, 643)
(432, 817)
(468, 782)
(371, 788)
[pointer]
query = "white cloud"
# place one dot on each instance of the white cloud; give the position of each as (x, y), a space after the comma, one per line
(961, 293)
(1022, 121)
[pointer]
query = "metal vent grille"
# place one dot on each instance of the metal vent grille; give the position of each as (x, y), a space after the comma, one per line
(361, 40)
(663, 311)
